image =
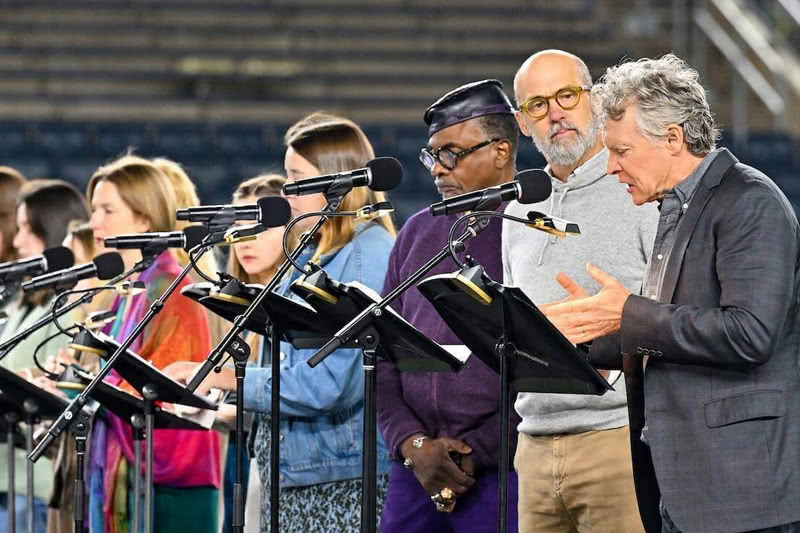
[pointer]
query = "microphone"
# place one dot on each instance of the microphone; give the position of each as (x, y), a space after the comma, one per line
(380, 174)
(57, 258)
(105, 266)
(528, 187)
(271, 211)
(186, 239)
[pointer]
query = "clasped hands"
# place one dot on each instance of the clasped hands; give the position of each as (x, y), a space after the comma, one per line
(581, 317)
(439, 475)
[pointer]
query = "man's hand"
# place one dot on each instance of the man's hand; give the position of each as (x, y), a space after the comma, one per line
(575, 291)
(433, 467)
(584, 318)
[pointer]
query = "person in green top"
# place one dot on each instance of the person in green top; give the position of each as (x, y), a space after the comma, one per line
(44, 209)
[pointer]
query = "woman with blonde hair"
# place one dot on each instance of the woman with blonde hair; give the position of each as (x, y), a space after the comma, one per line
(321, 409)
(186, 196)
(132, 195)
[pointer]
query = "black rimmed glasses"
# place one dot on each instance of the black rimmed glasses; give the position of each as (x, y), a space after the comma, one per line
(446, 157)
(567, 98)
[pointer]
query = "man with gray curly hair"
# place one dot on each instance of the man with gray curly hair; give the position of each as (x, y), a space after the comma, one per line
(716, 330)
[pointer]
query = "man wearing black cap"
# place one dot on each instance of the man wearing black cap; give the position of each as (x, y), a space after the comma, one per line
(443, 429)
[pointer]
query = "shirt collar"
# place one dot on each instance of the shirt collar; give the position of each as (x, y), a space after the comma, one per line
(686, 188)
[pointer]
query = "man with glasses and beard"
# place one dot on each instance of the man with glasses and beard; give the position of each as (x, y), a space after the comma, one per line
(573, 457)
(443, 429)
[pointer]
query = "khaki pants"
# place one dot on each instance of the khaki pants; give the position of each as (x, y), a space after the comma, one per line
(579, 483)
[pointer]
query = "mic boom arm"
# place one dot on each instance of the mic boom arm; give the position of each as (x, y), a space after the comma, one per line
(77, 404)
(49, 316)
(479, 221)
(215, 356)
(375, 310)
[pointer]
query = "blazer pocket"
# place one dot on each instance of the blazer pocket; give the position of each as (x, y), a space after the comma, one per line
(747, 406)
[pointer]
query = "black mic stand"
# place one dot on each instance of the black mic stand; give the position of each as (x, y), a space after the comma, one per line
(215, 360)
(21, 400)
(80, 401)
(11, 417)
(30, 408)
(361, 328)
(509, 326)
(49, 316)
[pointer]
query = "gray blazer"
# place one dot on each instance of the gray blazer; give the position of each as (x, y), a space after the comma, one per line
(721, 389)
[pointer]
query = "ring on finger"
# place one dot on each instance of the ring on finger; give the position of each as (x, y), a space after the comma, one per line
(447, 495)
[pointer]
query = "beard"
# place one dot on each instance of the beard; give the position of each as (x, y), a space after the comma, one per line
(566, 152)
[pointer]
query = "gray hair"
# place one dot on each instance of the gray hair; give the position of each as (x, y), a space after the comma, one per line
(666, 91)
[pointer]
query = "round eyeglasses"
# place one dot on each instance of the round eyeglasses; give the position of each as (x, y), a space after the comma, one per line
(446, 157)
(567, 98)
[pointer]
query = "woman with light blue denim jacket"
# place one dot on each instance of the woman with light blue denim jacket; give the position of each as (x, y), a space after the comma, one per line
(321, 408)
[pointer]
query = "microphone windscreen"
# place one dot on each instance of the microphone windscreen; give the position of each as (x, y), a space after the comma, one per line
(275, 211)
(58, 258)
(108, 265)
(194, 235)
(535, 186)
(387, 173)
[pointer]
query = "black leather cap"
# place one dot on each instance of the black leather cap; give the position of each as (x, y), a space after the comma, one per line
(469, 101)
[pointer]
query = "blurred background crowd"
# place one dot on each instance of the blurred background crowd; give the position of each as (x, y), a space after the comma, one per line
(213, 84)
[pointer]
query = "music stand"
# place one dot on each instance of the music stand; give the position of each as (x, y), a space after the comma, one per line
(10, 413)
(153, 385)
(395, 339)
(506, 331)
(24, 401)
(130, 408)
(282, 319)
(298, 323)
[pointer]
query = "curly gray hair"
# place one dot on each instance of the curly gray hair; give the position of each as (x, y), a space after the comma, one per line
(666, 91)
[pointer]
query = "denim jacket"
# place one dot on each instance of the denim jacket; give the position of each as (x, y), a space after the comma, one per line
(322, 408)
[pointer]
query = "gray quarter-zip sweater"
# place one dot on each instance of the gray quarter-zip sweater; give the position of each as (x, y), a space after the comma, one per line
(617, 236)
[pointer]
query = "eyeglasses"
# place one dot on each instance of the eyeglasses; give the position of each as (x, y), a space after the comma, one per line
(567, 98)
(446, 157)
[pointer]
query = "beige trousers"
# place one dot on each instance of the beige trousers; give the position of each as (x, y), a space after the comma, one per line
(578, 483)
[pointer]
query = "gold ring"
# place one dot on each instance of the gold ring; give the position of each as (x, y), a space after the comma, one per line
(447, 495)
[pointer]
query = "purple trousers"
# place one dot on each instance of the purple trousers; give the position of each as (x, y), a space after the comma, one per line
(409, 509)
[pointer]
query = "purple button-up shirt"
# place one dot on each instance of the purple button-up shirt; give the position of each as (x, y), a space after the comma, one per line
(462, 405)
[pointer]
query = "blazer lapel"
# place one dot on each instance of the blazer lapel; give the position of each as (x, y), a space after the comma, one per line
(705, 189)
